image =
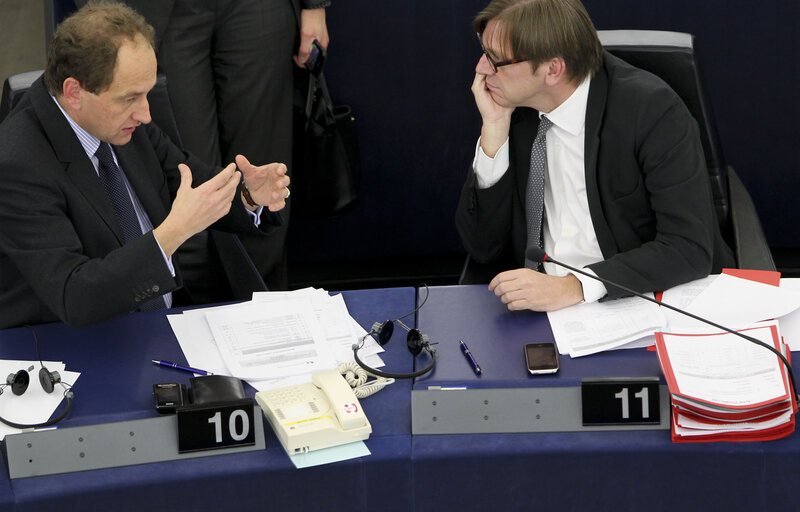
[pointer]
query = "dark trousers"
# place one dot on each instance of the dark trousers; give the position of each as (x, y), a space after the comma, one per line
(229, 70)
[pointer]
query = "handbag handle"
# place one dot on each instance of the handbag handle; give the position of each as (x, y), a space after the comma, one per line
(316, 82)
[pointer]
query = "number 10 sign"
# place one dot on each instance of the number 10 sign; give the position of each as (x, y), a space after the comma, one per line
(216, 425)
(620, 401)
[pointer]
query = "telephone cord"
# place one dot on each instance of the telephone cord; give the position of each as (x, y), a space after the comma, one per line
(357, 378)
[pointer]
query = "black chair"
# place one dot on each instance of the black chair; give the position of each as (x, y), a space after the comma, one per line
(226, 248)
(671, 56)
(14, 89)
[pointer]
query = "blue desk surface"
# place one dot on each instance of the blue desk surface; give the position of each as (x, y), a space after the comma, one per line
(599, 471)
(116, 384)
(496, 338)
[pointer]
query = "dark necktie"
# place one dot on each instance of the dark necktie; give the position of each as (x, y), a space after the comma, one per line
(534, 196)
(112, 179)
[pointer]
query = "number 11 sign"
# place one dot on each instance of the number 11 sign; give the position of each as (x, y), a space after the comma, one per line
(620, 401)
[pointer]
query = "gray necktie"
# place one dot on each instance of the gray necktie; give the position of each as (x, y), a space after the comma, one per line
(534, 195)
(111, 176)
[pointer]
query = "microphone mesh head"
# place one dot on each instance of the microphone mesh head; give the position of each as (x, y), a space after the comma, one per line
(536, 254)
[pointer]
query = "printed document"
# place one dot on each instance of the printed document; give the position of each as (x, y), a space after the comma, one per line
(723, 368)
(340, 331)
(589, 328)
(276, 340)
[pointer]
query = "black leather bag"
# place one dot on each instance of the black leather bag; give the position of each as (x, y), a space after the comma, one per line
(327, 169)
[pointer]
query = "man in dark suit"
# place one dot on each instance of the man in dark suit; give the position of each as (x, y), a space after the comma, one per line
(615, 182)
(95, 200)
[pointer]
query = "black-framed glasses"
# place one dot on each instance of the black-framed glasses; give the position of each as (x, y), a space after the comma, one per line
(496, 63)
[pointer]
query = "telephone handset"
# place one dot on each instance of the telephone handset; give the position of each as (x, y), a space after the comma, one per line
(342, 398)
(315, 415)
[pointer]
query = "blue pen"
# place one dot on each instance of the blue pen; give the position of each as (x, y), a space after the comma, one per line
(180, 367)
(468, 355)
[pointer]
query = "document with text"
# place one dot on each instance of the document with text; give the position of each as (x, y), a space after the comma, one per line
(283, 338)
(589, 328)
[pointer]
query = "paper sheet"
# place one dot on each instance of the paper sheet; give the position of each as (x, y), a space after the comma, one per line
(197, 341)
(726, 369)
(681, 297)
(585, 329)
(329, 455)
(279, 339)
(341, 331)
(790, 324)
(739, 303)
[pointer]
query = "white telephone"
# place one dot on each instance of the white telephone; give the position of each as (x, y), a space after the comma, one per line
(316, 415)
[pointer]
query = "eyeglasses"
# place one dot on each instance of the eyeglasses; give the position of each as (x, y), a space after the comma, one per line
(496, 63)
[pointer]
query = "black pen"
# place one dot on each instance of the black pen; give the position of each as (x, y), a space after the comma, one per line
(468, 355)
(181, 367)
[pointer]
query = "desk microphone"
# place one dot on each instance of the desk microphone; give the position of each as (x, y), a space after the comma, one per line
(537, 254)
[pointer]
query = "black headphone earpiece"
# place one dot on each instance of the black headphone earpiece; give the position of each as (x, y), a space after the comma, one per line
(48, 379)
(382, 332)
(18, 381)
(416, 341)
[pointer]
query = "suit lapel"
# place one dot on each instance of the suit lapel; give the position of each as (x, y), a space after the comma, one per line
(69, 151)
(595, 109)
(524, 127)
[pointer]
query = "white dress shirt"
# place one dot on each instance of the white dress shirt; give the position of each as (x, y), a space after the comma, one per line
(568, 234)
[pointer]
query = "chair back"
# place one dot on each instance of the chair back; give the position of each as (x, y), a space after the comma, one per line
(14, 88)
(671, 56)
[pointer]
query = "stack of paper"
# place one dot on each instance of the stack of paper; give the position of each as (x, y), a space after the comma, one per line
(277, 339)
(736, 299)
(594, 327)
(725, 388)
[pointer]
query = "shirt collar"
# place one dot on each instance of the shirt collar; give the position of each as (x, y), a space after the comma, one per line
(89, 142)
(571, 115)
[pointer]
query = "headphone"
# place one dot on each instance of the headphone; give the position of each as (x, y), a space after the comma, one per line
(19, 384)
(416, 342)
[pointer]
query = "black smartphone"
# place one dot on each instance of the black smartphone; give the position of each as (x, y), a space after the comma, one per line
(168, 396)
(541, 358)
(316, 58)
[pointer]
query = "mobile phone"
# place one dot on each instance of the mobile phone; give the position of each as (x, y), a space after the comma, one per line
(169, 396)
(541, 358)
(316, 58)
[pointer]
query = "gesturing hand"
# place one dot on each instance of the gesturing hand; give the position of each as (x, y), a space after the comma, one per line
(194, 209)
(268, 184)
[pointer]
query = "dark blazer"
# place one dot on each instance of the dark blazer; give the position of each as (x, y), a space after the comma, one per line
(646, 182)
(61, 248)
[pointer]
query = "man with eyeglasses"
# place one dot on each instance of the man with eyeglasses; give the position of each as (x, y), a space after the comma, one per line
(614, 181)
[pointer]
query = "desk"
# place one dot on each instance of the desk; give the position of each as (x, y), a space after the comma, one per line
(613, 471)
(598, 471)
(116, 384)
